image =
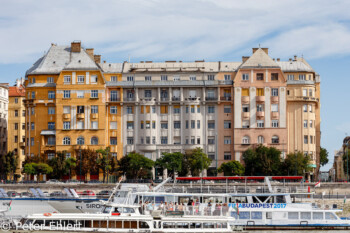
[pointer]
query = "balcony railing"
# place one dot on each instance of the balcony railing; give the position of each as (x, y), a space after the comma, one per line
(164, 99)
(193, 98)
(129, 99)
(114, 99)
(176, 98)
(228, 98)
(211, 98)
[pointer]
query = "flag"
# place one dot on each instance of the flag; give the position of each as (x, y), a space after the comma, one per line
(236, 208)
(318, 184)
(10, 205)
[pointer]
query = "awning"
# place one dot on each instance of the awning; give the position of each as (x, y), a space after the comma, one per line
(312, 165)
(48, 132)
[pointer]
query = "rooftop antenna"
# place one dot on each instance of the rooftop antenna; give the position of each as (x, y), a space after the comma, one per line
(129, 58)
(259, 46)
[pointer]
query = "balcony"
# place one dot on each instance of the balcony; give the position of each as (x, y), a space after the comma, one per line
(225, 98)
(211, 98)
(245, 99)
(22, 145)
(94, 115)
(164, 99)
(260, 114)
(147, 147)
(260, 99)
(303, 98)
(192, 146)
(129, 99)
(81, 116)
(192, 98)
(245, 115)
(66, 116)
(274, 99)
(176, 98)
(94, 97)
(114, 99)
(275, 115)
(225, 82)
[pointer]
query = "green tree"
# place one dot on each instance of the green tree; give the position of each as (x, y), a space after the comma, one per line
(29, 169)
(104, 162)
(86, 162)
(134, 165)
(71, 164)
(195, 161)
(231, 168)
(58, 163)
(11, 161)
(263, 161)
(297, 164)
(323, 156)
(37, 168)
(171, 161)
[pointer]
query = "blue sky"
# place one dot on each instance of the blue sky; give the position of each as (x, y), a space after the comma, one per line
(190, 30)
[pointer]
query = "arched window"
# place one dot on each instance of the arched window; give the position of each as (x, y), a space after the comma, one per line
(260, 139)
(94, 141)
(275, 139)
(66, 141)
(246, 140)
(80, 140)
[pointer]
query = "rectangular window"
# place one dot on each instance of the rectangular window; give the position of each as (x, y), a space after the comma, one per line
(274, 107)
(274, 91)
(211, 77)
(32, 141)
(227, 140)
(153, 124)
(93, 79)
(94, 94)
(148, 93)
(130, 78)
(130, 125)
(211, 109)
(33, 95)
(227, 124)
(245, 108)
(290, 77)
(113, 109)
(129, 110)
(304, 92)
(148, 140)
(310, 123)
(16, 113)
(51, 125)
(163, 109)
(260, 92)
(274, 76)
(114, 78)
(245, 77)
(198, 109)
(66, 79)
(302, 77)
(306, 139)
(113, 125)
(80, 109)
(198, 124)
(186, 124)
(164, 125)
(187, 109)
(245, 92)
(193, 124)
(66, 94)
(23, 126)
(163, 140)
(148, 78)
(66, 125)
(16, 139)
(305, 107)
(80, 94)
(32, 125)
(51, 94)
(260, 76)
(16, 126)
(176, 77)
(177, 109)
(192, 109)
(227, 156)
(245, 124)
(153, 140)
(305, 123)
(259, 107)
(153, 109)
(310, 92)
(66, 109)
(193, 78)
(80, 124)
(274, 123)
(51, 110)
(148, 109)
(94, 109)
(260, 123)
(141, 126)
(94, 124)
(211, 140)
(227, 77)
(81, 79)
(177, 125)
(16, 100)
(164, 77)
(113, 141)
(227, 109)
(310, 108)
(211, 124)
(311, 141)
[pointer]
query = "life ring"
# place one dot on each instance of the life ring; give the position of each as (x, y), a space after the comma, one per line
(54, 212)
(47, 214)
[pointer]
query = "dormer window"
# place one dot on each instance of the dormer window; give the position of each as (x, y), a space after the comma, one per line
(49, 79)
(245, 77)
(274, 77)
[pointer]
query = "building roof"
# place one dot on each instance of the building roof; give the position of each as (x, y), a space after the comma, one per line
(111, 67)
(294, 66)
(17, 92)
(60, 58)
(259, 59)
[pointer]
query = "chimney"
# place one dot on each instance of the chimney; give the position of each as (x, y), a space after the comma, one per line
(245, 58)
(273, 59)
(90, 52)
(266, 50)
(255, 49)
(278, 59)
(295, 57)
(75, 46)
(97, 58)
(18, 83)
(290, 59)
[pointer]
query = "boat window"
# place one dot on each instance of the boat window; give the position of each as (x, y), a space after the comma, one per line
(244, 215)
(256, 215)
(268, 215)
(182, 225)
(317, 215)
(305, 215)
(196, 225)
(130, 224)
(234, 214)
(330, 216)
(168, 225)
(208, 225)
(39, 222)
(238, 199)
(224, 225)
(143, 225)
(293, 215)
(280, 199)
(128, 210)
(107, 210)
(103, 224)
(49, 223)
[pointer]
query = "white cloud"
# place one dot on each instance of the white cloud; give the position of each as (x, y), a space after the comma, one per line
(181, 29)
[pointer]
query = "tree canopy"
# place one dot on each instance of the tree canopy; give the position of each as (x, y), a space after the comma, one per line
(135, 166)
(323, 156)
(297, 163)
(37, 168)
(232, 168)
(173, 162)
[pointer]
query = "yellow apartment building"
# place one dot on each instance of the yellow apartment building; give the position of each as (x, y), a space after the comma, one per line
(16, 122)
